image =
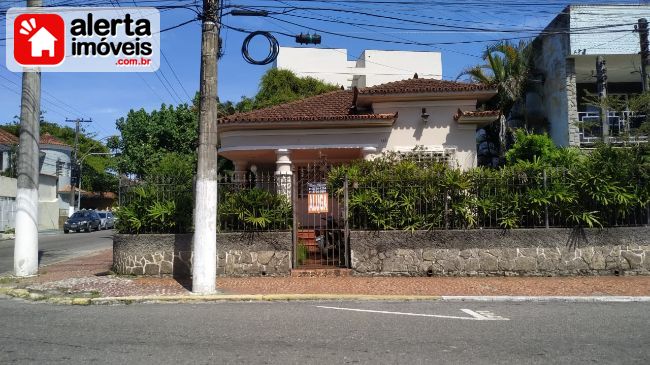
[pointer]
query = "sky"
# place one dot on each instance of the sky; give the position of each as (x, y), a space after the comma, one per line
(460, 30)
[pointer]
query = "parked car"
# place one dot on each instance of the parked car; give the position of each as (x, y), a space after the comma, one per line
(107, 219)
(86, 220)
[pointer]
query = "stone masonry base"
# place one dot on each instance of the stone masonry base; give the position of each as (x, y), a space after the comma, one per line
(527, 252)
(259, 254)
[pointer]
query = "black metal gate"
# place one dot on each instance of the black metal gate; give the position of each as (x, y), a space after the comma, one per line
(320, 228)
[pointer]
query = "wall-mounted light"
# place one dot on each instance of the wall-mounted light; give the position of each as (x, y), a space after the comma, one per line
(425, 115)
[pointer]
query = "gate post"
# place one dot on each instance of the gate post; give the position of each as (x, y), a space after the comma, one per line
(294, 233)
(546, 222)
(346, 232)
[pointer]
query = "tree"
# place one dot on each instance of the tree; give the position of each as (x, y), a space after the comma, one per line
(282, 86)
(507, 68)
(277, 87)
(146, 137)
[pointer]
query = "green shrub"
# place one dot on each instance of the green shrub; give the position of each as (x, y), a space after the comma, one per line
(603, 188)
(254, 210)
(155, 208)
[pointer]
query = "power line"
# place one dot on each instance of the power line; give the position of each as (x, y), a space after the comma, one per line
(162, 53)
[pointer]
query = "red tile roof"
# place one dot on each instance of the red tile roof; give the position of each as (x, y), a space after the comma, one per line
(417, 85)
(483, 113)
(7, 138)
(335, 105)
(51, 140)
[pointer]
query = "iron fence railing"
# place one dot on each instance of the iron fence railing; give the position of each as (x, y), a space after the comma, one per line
(261, 202)
(253, 202)
(246, 202)
(539, 201)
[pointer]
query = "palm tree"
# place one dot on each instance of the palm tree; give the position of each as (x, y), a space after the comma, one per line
(507, 69)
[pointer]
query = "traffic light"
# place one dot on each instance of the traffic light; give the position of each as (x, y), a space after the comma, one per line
(308, 38)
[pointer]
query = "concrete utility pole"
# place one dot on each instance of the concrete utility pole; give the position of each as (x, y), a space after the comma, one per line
(642, 28)
(204, 261)
(601, 75)
(75, 155)
(26, 243)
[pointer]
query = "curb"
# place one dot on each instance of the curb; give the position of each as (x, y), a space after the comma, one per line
(71, 300)
(547, 299)
(32, 296)
(259, 298)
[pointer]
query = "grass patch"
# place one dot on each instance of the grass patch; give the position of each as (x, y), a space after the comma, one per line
(8, 280)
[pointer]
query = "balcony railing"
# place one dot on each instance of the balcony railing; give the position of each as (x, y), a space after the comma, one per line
(622, 126)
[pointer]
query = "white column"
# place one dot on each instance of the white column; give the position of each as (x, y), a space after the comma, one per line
(240, 170)
(283, 174)
(369, 153)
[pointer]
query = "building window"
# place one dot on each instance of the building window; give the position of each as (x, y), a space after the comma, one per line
(427, 155)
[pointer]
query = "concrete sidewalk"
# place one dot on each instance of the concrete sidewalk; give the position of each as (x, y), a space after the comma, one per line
(90, 277)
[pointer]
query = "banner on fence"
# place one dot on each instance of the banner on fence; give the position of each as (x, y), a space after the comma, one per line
(317, 199)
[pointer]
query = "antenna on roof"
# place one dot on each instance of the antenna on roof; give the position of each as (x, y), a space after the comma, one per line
(415, 76)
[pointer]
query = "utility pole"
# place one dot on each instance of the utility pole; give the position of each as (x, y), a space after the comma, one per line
(642, 28)
(26, 243)
(75, 154)
(204, 261)
(601, 76)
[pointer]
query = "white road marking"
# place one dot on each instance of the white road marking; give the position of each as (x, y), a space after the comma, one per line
(474, 314)
(486, 316)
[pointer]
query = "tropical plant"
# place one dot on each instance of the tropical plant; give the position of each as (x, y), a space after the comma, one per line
(254, 210)
(507, 68)
(155, 207)
(564, 187)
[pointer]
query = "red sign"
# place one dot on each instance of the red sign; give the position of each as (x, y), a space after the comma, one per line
(39, 39)
(317, 203)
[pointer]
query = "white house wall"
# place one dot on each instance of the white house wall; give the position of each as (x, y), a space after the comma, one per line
(373, 67)
(329, 65)
(302, 138)
(53, 154)
(440, 131)
(619, 36)
(7, 187)
(380, 67)
(48, 203)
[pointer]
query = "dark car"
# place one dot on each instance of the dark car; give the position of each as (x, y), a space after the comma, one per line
(86, 220)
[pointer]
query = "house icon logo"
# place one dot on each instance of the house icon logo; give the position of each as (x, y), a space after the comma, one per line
(39, 39)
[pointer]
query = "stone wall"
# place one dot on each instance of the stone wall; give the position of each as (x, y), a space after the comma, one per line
(258, 254)
(531, 252)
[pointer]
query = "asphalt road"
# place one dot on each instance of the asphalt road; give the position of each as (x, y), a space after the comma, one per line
(57, 247)
(310, 333)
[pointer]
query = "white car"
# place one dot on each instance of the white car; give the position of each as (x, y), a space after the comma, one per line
(107, 220)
